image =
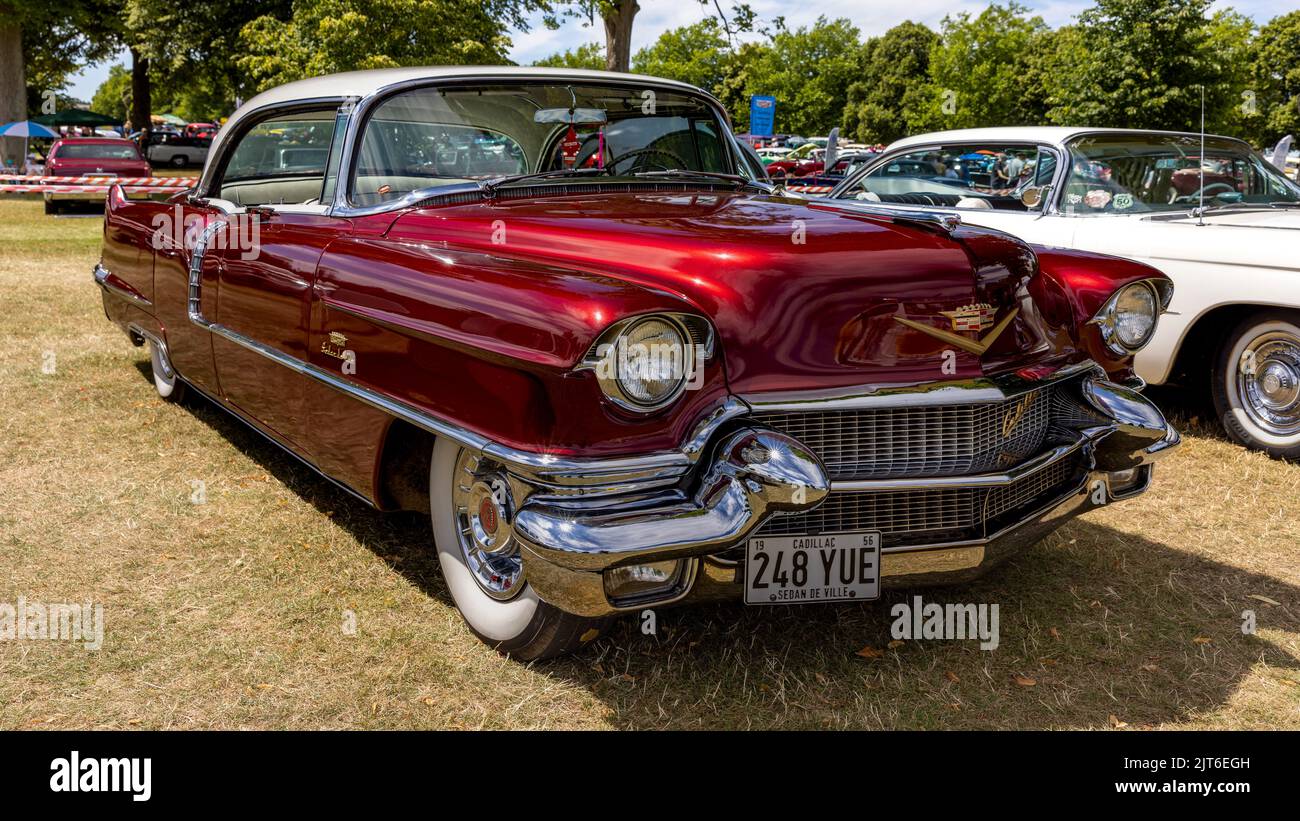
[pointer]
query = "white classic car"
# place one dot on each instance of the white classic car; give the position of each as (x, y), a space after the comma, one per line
(1212, 214)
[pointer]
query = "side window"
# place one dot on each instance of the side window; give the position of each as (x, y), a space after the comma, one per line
(968, 176)
(280, 160)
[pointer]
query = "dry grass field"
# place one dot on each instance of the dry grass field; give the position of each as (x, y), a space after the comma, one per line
(230, 614)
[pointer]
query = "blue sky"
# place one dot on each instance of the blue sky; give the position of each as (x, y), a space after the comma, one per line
(870, 16)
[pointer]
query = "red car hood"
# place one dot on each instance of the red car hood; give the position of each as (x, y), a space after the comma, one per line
(804, 296)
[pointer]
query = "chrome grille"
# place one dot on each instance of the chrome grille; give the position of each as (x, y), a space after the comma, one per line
(936, 440)
(952, 513)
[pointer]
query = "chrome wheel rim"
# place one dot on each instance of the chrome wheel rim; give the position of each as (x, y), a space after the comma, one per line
(1268, 382)
(483, 516)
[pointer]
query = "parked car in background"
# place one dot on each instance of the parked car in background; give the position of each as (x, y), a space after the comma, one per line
(598, 360)
(177, 150)
(772, 154)
(786, 164)
(98, 156)
(1221, 222)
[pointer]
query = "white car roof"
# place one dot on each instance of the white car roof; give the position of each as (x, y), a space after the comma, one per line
(1050, 135)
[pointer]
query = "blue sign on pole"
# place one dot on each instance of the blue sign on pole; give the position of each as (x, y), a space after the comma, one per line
(762, 115)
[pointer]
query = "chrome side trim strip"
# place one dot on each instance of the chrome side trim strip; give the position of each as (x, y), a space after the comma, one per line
(100, 273)
(627, 473)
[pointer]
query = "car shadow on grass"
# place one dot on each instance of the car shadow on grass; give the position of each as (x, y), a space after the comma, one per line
(1097, 628)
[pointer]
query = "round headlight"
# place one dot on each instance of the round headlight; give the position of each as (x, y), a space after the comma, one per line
(1135, 315)
(652, 363)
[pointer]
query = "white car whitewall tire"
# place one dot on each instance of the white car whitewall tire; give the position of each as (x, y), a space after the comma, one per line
(471, 533)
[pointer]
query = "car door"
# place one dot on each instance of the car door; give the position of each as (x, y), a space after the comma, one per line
(267, 252)
(982, 181)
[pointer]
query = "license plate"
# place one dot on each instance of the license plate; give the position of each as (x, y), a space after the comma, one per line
(813, 569)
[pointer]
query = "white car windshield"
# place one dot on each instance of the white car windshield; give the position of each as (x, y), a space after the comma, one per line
(429, 137)
(1129, 173)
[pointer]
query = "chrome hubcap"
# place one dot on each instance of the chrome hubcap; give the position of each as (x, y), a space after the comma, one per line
(483, 516)
(1268, 380)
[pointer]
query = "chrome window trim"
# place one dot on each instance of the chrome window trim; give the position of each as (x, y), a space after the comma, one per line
(246, 123)
(342, 205)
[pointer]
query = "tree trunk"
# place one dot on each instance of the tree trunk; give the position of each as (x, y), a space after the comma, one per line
(141, 102)
(13, 88)
(618, 34)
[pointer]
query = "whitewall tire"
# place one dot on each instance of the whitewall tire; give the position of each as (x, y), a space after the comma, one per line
(1257, 383)
(481, 565)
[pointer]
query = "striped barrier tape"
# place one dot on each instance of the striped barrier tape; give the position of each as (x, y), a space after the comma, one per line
(93, 179)
(88, 189)
(810, 189)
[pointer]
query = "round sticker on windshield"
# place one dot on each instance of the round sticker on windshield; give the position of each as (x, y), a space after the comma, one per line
(1123, 202)
(1097, 198)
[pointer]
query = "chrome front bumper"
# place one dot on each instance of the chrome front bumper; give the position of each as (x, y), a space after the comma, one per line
(568, 542)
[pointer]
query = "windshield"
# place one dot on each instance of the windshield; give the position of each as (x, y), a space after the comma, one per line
(987, 175)
(430, 137)
(97, 151)
(1130, 173)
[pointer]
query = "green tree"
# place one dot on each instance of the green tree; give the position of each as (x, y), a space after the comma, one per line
(1275, 79)
(41, 44)
(327, 36)
(984, 71)
(1136, 64)
(731, 90)
(113, 97)
(809, 71)
(191, 51)
(695, 54)
(590, 56)
(893, 86)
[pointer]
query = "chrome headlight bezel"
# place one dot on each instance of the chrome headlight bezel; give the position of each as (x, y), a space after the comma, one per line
(1107, 319)
(692, 331)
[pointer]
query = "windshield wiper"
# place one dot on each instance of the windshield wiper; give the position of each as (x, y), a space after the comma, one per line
(489, 186)
(683, 173)
(1226, 205)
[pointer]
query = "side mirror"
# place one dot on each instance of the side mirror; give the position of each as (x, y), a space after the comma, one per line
(1034, 196)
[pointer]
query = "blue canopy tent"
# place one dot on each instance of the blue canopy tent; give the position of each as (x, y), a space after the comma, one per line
(26, 129)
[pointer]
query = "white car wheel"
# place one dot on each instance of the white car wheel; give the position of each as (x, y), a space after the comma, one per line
(479, 555)
(1257, 383)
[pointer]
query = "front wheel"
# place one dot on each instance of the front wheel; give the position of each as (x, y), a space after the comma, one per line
(178, 161)
(1257, 383)
(471, 509)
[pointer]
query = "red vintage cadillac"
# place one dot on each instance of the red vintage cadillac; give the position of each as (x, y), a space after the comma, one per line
(559, 311)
